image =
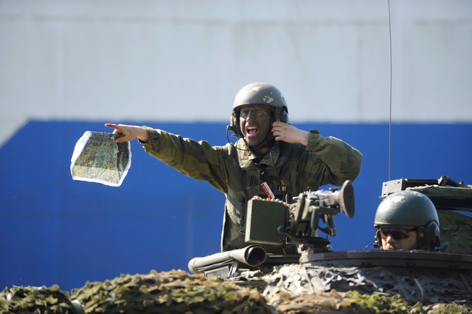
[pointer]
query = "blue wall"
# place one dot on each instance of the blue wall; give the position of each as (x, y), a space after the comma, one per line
(54, 230)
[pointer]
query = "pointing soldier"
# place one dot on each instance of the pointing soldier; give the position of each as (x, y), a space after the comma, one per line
(269, 150)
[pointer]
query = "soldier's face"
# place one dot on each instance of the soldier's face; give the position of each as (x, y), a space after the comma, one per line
(398, 238)
(255, 124)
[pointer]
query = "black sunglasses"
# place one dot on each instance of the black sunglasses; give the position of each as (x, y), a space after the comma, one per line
(396, 233)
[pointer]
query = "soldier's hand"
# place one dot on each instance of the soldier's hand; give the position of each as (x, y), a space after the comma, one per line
(130, 132)
(288, 133)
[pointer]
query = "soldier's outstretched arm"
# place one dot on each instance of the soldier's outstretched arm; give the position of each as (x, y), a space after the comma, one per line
(130, 132)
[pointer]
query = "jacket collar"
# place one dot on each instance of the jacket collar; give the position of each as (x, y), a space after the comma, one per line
(246, 156)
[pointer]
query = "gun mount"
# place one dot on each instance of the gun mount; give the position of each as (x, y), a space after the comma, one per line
(272, 222)
(300, 224)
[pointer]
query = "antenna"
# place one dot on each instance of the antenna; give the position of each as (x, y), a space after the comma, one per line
(390, 114)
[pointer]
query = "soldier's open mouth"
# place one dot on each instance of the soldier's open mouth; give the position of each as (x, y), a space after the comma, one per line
(252, 131)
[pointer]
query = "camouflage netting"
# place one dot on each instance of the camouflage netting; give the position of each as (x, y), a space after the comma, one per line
(320, 302)
(290, 278)
(180, 292)
(456, 228)
(414, 284)
(37, 300)
(168, 292)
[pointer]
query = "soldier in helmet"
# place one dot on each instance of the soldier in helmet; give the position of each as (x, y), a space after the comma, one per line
(269, 150)
(407, 220)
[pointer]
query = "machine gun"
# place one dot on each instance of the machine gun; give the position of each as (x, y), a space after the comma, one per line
(273, 222)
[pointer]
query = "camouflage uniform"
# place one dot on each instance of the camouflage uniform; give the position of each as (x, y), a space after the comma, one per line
(232, 170)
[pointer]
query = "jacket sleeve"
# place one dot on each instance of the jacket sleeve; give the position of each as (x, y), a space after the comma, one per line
(198, 160)
(341, 161)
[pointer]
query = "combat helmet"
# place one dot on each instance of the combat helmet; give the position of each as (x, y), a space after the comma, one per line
(410, 208)
(261, 94)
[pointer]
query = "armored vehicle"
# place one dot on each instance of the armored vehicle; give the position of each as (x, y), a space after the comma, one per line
(315, 280)
(442, 275)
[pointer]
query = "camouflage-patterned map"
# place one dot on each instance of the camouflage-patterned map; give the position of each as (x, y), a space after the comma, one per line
(97, 158)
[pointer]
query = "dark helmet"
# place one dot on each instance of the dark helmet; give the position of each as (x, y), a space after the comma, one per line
(409, 208)
(260, 94)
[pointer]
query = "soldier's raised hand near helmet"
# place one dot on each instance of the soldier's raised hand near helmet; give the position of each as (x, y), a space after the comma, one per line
(288, 133)
(130, 132)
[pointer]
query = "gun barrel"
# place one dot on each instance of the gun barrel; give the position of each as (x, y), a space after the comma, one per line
(253, 255)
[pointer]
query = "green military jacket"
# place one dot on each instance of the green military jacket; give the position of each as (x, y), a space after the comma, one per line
(289, 169)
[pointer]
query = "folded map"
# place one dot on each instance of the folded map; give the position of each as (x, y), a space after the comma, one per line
(97, 158)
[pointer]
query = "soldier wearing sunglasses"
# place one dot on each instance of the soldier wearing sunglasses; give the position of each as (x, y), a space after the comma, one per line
(407, 220)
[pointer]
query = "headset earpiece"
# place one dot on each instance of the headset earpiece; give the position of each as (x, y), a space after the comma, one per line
(234, 125)
(281, 115)
(284, 116)
(378, 239)
(429, 236)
